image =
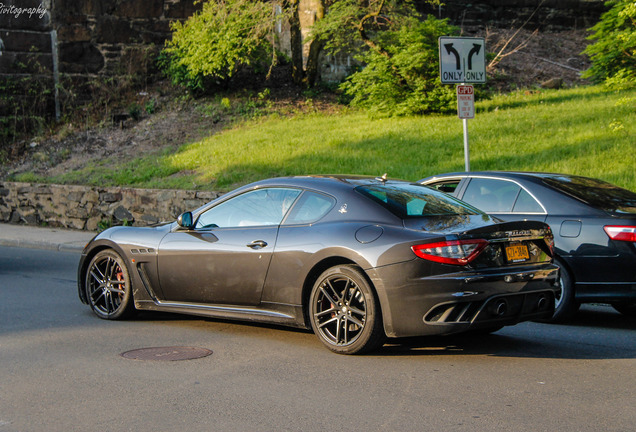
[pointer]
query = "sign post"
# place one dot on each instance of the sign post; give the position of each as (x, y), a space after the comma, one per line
(465, 111)
(462, 60)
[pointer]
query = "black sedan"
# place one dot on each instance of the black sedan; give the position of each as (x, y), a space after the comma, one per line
(355, 259)
(594, 226)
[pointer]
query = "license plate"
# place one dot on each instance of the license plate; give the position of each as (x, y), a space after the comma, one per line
(517, 253)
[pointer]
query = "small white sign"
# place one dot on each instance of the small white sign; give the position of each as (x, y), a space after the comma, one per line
(465, 101)
(462, 60)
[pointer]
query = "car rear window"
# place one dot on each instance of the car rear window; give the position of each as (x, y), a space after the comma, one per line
(597, 193)
(413, 201)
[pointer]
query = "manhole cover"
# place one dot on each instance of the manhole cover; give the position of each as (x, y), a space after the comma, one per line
(174, 353)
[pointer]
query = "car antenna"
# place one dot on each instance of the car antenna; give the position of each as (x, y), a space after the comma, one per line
(382, 179)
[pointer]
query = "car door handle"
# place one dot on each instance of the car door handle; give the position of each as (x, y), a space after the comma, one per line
(257, 244)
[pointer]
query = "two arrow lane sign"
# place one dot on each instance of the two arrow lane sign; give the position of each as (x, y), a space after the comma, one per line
(462, 60)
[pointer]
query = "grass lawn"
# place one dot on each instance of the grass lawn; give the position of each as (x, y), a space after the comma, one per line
(589, 131)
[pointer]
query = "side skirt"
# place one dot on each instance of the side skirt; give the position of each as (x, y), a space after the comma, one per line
(283, 314)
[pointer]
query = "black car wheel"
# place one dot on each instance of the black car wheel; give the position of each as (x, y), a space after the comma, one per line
(626, 308)
(108, 286)
(344, 311)
(565, 305)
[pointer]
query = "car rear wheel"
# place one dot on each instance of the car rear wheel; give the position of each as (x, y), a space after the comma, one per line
(565, 305)
(626, 308)
(108, 288)
(344, 311)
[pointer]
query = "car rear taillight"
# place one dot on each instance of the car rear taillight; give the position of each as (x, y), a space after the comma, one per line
(456, 252)
(549, 240)
(622, 233)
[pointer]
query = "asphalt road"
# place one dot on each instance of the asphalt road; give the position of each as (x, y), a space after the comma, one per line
(61, 369)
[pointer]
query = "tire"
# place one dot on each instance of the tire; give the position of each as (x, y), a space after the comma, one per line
(565, 304)
(344, 311)
(626, 308)
(108, 286)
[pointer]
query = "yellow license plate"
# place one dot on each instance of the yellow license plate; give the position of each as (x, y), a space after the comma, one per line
(517, 253)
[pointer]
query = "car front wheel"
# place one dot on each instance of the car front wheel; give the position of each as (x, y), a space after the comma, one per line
(108, 286)
(344, 311)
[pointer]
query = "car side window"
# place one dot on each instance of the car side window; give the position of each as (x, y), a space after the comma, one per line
(448, 186)
(527, 204)
(492, 195)
(310, 207)
(261, 207)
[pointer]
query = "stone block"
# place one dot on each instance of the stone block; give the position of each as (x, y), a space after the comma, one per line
(74, 33)
(139, 8)
(113, 30)
(27, 41)
(122, 214)
(110, 197)
(182, 9)
(78, 224)
(80, 57)
(25, 63)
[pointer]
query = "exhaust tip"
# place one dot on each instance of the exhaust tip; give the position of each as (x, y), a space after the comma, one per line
(499, 308)
(542, 302)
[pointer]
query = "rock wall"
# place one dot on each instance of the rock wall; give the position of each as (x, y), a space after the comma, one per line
(91, 208)
(545, 15)
(107, 36)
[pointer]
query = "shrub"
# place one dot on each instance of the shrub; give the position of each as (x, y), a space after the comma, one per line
(216, 42)
(613, 54)
(404, 80)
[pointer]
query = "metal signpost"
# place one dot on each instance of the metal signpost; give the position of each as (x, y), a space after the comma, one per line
(462, 60)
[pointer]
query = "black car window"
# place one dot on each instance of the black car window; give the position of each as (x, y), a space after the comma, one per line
(412, 201)
(310, 207)
(492, 195)
(448, 186)
(527, 204)
(599, 194)
(259, 207)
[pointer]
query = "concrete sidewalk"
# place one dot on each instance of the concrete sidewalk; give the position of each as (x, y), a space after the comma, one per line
(60, 239)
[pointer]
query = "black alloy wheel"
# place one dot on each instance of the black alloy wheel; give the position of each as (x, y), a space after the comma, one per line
(108, 286)
(344, 311)
(565, 305)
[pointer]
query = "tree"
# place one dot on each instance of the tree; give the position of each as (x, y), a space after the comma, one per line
(613, 54)
(403, 77)
(301, 74)
(398, 52)
(216, 42)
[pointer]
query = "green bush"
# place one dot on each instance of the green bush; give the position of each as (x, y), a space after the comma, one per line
(216, 42)
(613, 54)
(405, 79)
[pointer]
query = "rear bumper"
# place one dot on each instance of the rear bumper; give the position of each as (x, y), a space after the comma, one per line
(457, 302)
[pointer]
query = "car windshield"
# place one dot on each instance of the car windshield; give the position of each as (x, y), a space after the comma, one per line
(597, 193)
(413, 201)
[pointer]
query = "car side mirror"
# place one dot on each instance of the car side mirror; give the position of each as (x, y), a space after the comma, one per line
(185, 220)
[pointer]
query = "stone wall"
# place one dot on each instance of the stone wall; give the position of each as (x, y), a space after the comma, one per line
(545, 15)
(90, 208)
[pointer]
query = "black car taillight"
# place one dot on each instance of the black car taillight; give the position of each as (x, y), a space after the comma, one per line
(621, 233)
(456, 252)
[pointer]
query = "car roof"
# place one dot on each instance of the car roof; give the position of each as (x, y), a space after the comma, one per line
(327, 182)
(503, 174)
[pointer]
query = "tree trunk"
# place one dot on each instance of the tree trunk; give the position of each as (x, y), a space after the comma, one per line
(296, 41)
(312, 74)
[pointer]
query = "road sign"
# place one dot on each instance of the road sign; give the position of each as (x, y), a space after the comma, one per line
(462, 60)
(465, 101)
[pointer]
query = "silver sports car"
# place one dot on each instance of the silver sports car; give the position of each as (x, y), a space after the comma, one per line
(356, 259)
